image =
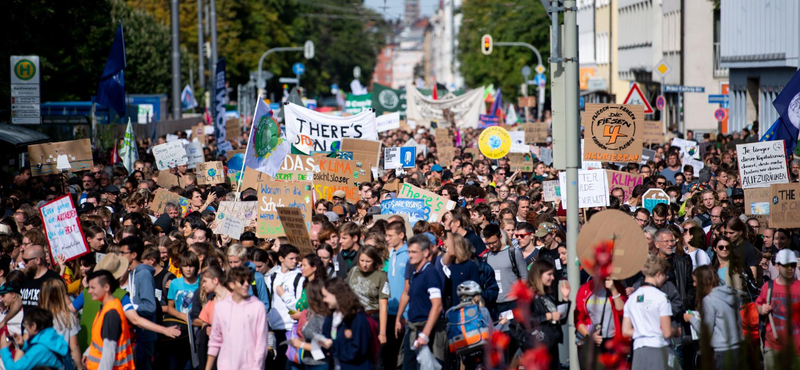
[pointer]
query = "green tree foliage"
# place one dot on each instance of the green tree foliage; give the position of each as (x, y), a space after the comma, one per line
(516, 21)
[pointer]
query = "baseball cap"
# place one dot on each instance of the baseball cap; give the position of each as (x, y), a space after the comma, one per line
(786, 257)
(85, 208)
(436, 168)
(332, 216)
(544, 229)
(113, 189)
(339, 194)
(9, 287)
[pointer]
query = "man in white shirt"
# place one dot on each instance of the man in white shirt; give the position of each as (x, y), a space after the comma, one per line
(285, 287)
(646, 320)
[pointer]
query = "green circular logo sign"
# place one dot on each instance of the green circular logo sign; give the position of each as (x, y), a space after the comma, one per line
(25, 69)
(267, 136)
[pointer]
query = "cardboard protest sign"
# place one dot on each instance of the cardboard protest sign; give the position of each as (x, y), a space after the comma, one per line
(167, 180)
(757, 200)
(310, 131)
(647, 155)
(784, 206)
(232, 217)
(535, 132)
(273, 194)
(339, 174)
(630, 246)
(438, 204)
(653, 132)
(210, 173)
(194, 154)
(295, 227)
(414, 208)
(199, 133)
(163, 196)
(762, 164)
(613, 132)
(367, 152)
(63, 229)
(462, 110)
(232, 130)
(44, 157)
(623, 180)
(653, 197)
(388, 121)
(689, 149)
(551, 190)
(592, 188)
(446, 156)
(170, 155)
(519, 161)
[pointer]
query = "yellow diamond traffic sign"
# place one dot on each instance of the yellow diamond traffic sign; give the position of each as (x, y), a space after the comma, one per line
(662, 68)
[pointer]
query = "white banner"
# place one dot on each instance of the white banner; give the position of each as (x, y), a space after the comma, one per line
(762, 164)
(389, 121)
(309, 131)
(592, 188)
(465, 109)
(170, 155)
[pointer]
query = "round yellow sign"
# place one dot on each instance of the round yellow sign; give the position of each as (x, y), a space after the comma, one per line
(494, 142)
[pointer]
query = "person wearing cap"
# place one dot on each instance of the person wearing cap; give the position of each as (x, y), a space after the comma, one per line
(546, 235)
(737, 197)
(111, 343)
(783, 292)
(9, 293)
(111, 193)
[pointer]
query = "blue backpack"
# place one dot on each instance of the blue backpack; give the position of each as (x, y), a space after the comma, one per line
(467, 329)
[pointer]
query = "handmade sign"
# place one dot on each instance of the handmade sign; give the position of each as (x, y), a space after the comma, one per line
(194, 154)
(438, 204)
(399, 157)
(355, 104)
(592, 188)
(652, 132)
(630, 246)
(232, 130)
(388, 121)
(647, 155)
(231, 226)
(519, 161)
(233, 216)
(294, 168)
(167, 180)
(210, 173)
(309, 131)
(551, 190)
(757, 200)
(273, 194)
(762, 164)
(653, 197)
(784, 206)
(339, 174)
(170, 155)
(623, 180)
(463, 110)
(386, 99)
(414, 208)
(613, 132)
(546, 156)
(687, 148)
(163, 196)
(295, 227)
(535, 132)
(44, 157)
(63, 229)
(366, 152)
(446, 156)
(494, 142)
(199, 133)
(517, 137)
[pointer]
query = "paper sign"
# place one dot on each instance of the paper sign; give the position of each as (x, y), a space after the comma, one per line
(592, 188)
(63, 229)
(243, 211)
(648, 155)
(652, 132)
(613, 132)
(625, 181)
(546, 156)
(363, 151)
(232, 227)
(688, 148)
(517, 137)
(551, 190)
(199, 133)
(414, 208)
(163, 196)
(194, 154)
(784, 205)
(762, 164)
(438, 204)
(653, 197)
(756, 201)
(403, 157)
(273, 194)
(522, 162)
(44, 157)
(170, 155)
(488, 120)
(535, 132)
(172, 137)
(295, 227)
(389, 121)
(210, 173)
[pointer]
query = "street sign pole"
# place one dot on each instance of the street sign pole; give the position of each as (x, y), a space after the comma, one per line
(261, 91)
(526, 71)
(663, 112)
(539, 69)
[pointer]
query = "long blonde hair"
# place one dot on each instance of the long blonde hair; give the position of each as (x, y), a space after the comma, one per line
(53, 298)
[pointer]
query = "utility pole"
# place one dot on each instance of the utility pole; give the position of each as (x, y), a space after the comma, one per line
(200, 53)
(176, 60)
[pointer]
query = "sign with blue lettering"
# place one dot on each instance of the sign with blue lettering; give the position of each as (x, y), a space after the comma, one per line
(414, 208)
(298, 69)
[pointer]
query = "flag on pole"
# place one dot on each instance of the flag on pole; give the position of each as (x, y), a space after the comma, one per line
(115, 155)
(788, 106)
(511, 118)
(128, 150)
(497, 106)
(111, 91)
(188, 100)
(266, 149)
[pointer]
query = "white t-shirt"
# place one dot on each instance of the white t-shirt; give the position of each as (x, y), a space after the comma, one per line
(699, 258)
(645, 307)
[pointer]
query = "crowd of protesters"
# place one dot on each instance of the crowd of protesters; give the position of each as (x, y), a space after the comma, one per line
(163, 291)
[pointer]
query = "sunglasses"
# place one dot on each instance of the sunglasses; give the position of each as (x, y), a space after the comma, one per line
(27, 260)
(722, 247)
(522, 235)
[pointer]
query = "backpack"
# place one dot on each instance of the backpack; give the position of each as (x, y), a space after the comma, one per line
(512, 256)
(272, 286)
(467, 329)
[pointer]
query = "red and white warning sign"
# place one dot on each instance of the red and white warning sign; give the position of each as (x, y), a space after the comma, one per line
(635, 96)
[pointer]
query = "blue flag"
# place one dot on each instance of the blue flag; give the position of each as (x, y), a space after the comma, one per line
(111, 91)
(788, 106)
(782, 131)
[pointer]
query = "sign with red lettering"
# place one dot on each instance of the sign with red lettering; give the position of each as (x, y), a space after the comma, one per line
(339, 174)
(63, 229)
(613, 132)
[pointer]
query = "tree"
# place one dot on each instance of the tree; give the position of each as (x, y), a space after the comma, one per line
(523, 21)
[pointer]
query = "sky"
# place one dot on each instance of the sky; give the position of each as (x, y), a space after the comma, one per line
(395, 8)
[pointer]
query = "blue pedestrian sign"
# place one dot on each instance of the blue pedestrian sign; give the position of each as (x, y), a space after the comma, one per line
(408, 156)
(298, 68)
(540, 79)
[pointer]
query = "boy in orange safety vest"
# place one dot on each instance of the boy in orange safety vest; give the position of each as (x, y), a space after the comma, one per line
(111, 347)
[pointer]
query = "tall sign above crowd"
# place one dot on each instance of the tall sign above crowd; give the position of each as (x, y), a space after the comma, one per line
(464, 110)
(309, 131)
(613, 132)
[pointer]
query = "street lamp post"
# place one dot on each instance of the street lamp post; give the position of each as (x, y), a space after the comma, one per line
(308, 49)
(539, 67)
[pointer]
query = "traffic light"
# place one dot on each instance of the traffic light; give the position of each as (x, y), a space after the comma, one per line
(486, 44)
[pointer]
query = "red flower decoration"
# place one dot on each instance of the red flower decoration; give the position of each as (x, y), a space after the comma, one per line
(537, 358)
(521, 292)
(498, 342)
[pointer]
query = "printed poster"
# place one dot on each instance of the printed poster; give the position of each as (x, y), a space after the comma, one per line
(613, 132)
